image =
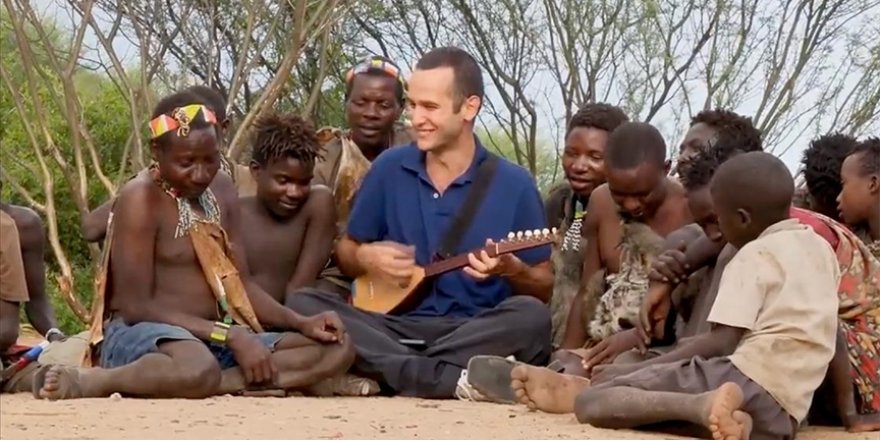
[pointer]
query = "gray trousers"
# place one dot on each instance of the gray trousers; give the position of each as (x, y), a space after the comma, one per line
(519, 326)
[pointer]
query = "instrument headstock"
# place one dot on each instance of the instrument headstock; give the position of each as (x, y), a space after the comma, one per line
(521, 240)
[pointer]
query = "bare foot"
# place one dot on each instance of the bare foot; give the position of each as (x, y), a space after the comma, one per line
(344, 385)
(863, 423)
(543, 389)
(723, 415)
(58, 382)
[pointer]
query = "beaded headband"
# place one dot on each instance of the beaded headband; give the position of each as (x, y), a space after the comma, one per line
(179, 120)
(376, 64)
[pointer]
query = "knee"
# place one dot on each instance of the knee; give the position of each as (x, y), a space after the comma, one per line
(586, 407)
(198, 378)
(337, 358)
(532, 314)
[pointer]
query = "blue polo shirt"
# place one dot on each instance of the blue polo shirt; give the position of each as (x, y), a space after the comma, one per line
(398, 202)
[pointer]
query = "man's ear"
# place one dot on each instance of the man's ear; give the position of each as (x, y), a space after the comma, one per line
(256, 169)
(470, 107)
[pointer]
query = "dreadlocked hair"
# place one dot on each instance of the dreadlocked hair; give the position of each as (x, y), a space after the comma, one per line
(598, 115)
(279, 136)
(733, 126)
(870, 151)
(697, 172)
(822, 161)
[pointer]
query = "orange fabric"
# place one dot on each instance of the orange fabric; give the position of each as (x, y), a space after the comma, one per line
(859, 310)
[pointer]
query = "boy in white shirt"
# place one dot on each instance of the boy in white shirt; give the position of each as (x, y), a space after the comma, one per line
(775, 322)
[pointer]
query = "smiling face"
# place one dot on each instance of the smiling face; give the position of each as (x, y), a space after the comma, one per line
(372, 108)
(438, 118)
(583, 159)
(283, 185)
(189, 163)
(639, 191)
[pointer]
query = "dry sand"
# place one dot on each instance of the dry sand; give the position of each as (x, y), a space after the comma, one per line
(23, 418)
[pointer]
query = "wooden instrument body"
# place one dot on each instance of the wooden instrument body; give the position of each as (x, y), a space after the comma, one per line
(379, 295)
(376, 294)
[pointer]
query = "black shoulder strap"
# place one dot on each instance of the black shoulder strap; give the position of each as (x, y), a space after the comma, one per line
(465, 215)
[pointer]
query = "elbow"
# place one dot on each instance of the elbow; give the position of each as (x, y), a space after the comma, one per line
(91, 232)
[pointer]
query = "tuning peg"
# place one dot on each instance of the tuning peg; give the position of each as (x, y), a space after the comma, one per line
(510, 236)
(545, 231)
(519, 235)
(553, 231)
(536, 233)
(528, 234)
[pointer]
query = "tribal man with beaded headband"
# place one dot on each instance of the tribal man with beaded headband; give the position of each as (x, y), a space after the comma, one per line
(179, 315)
(374, 101)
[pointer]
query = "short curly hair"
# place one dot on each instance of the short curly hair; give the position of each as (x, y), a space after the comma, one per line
(599, 115)
(822, 161)
(732, 126)
(870, 151)
(698, 172)
(278, 136)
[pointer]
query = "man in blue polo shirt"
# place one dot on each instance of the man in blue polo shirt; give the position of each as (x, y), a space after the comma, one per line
(406, 203)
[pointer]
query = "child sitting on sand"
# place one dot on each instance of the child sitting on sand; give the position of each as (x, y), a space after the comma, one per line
(775, 321)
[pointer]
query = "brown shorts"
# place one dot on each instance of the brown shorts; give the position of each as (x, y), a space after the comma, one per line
(13, 287)
(699, 375)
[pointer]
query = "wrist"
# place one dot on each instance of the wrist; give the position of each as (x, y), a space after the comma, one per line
(222, 333)
(513, 267)
(294, 321)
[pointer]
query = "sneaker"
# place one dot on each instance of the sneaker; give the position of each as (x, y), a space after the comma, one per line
(464, 390)
(345, 385)
(489, 378)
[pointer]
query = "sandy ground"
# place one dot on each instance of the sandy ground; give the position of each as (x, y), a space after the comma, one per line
(23, 418)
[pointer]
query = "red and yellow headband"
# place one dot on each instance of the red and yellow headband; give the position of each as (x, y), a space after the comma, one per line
(376, 64)
(179, 120)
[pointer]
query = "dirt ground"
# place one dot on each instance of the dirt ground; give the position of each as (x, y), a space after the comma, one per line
(23, 418)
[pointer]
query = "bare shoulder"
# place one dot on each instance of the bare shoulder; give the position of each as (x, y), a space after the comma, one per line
(321, 200)
(26, 219)
(138, 198)
(601, 206)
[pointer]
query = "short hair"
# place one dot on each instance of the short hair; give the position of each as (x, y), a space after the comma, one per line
(468, 79)
(212, 98)
(598, 115)
(285, 135)
(755, 181)
(870, 151)
(366, 68)
(822, 161)
(734, 126)
(697, 172)
(634, 143)
(168, 104)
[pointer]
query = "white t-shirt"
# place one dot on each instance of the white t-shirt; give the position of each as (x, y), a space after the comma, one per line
(782, 288)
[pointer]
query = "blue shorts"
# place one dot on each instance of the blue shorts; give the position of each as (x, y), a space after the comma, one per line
(124, 344)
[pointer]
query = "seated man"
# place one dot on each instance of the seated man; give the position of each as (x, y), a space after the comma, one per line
(290, 222)
(406, 207)
(23, 275)
(738, 381)
(623, 228)
(94, 223)
(179, 321)
(374, 100)
(583, 161)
